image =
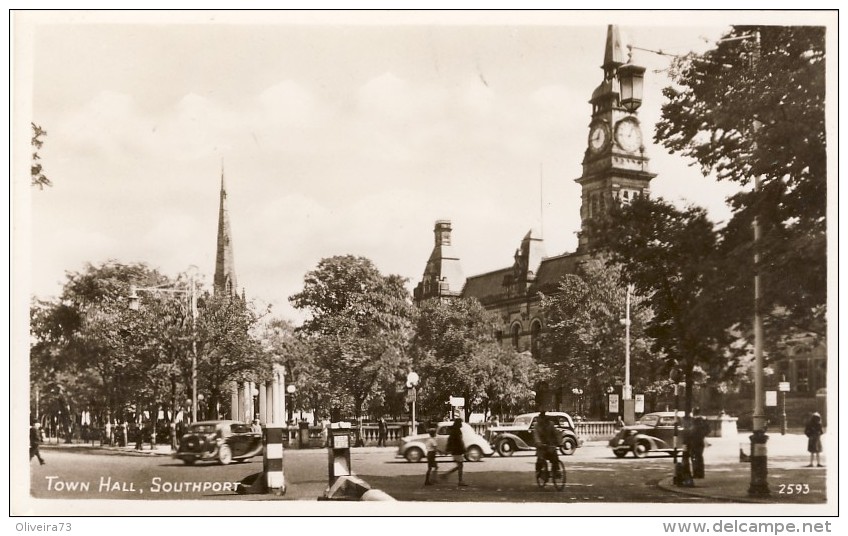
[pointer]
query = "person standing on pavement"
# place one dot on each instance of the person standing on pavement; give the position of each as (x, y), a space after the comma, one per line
(382, 432)
(256, 426)
(700, 430)
(34, 441)
(432, 465)
(813, 430)
(456, 448)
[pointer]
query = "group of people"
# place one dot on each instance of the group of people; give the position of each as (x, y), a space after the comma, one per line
(546, 436)
(455, 447)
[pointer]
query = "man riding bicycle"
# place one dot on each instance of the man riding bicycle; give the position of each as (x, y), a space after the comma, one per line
(547, 439)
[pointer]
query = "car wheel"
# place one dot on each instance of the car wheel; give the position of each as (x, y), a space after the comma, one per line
(188, 461)
(225, 455)
(505, 447)
(640, 449)
(414, 455)
(568, 447)
(619, 453)
(474, 454)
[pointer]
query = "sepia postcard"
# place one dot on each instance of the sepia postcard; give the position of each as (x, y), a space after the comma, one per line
(575, 264)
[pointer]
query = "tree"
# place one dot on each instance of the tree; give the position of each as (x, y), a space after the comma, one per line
(456, 355)
(285, 345)
(669, 255)
(37, 173)
(750, 108)
(82, 341)
(359, 326)
(228, 348)
(584, 342)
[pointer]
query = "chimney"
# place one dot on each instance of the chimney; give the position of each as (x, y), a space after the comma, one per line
(443, 232)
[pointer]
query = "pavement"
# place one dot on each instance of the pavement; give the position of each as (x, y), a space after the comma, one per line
(726, 477)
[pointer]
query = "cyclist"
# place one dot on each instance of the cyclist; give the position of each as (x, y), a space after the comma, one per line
(547, 439)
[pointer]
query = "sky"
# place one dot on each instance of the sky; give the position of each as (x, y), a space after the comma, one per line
(337, 134)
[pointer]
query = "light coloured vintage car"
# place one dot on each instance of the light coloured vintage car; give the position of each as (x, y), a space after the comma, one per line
(413, 449)
(221, 441)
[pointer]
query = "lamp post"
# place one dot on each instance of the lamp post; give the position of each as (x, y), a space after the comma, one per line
(578, 399)
(626, 391)
(134, 304)
(202, 406)
(412, 380)
(290, 389)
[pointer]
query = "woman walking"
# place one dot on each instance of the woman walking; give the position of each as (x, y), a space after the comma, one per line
(814, 431)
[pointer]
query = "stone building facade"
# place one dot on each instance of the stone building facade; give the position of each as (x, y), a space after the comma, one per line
(615, 169)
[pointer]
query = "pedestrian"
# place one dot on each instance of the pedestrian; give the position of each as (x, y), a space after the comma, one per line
(382, 432)
(256, 427)
(432, 465)
(35, 440)
(456, 448)
(699, 432)
(619, 422)
(813, 430)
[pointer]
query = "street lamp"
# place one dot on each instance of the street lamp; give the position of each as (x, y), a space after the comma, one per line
(631, 80)
(626, 392)
(412, 380)
(290, 389)
(578, 399)
(200, 398)
(134, 304)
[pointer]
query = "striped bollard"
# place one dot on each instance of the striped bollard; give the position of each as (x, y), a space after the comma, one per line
(272, 459)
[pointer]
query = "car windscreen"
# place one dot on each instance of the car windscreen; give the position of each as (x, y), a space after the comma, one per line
(201, 428)
(523, 421)
(240, 429)
(650, 420)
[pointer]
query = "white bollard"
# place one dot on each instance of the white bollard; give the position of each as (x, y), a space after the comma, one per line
(272, 459)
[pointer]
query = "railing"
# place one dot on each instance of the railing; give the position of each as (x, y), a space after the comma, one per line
(368, 435)
(595, 430)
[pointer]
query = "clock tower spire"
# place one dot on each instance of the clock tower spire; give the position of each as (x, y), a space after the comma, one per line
(615, 166)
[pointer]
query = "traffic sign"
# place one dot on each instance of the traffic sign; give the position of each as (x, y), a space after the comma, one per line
(783, 386)
(771, 398)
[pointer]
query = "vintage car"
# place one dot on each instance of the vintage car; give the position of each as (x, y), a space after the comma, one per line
(509, 438)
(221, 441)
(412, 447)
(654, 432)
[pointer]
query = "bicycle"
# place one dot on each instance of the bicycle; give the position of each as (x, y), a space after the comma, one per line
(543, 475)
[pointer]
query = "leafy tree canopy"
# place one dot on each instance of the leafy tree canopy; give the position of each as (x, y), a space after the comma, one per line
(360, 323)
(754, 106)
(584, 345)
(669, 255)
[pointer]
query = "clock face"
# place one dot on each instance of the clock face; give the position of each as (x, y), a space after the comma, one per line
(598, 137)
(628, 135)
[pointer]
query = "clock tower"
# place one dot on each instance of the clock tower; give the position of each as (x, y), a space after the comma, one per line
(615, 166)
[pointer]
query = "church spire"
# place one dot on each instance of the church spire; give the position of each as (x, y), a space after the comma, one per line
(613, 54)
(225, 272)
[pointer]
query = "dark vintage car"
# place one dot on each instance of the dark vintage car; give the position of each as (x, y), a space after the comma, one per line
(221, 441)
(509, 438)
(654, 432)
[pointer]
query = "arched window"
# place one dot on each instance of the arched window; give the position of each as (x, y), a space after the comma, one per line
(516, 331)
(535, 330)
